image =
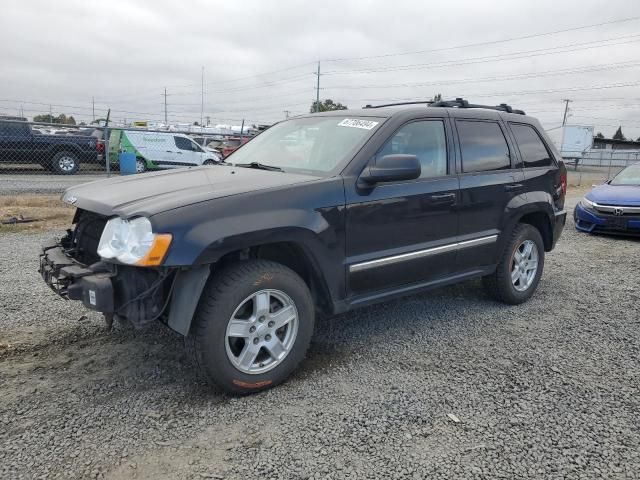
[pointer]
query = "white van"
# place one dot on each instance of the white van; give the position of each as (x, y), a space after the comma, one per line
(156, 150)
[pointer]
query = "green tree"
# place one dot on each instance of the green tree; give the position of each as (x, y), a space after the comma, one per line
(618, 135)
(327, 106)
(62, 119)
(599, 135)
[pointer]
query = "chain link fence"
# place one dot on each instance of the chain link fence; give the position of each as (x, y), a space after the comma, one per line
(36, 148)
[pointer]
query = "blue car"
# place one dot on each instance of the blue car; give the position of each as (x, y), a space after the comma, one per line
(613, 207)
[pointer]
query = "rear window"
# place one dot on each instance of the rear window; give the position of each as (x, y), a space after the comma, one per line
(483, 146)
(532, 149)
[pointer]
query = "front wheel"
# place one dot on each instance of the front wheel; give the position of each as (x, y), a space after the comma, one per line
(252, 327)
(520, 268)
(210, 162)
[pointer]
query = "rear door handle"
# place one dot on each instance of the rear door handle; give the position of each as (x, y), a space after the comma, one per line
(443, 198)
(514, 187)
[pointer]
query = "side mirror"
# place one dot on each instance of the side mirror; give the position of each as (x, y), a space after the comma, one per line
(392, 168)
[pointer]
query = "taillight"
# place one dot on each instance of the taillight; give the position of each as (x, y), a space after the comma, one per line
(100, 146)
(563, 183)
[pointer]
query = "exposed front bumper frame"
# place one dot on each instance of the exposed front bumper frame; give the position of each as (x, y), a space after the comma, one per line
(73, 280)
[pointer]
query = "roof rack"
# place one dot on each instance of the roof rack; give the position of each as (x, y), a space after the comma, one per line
(462, 103)
(457, 103)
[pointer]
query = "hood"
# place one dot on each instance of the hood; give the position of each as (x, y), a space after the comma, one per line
(624, 195)
(150, 193)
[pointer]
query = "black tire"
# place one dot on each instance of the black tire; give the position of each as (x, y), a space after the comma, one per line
(207, 341)
(499, 284)
(210, 162)
(65, 163)
(141, 165)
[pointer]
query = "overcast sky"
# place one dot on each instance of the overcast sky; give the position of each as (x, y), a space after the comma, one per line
(259, 57)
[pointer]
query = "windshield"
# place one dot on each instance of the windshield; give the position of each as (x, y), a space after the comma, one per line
(314, 144)
(628, 176)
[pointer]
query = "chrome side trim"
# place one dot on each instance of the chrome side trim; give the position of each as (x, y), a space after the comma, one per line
(380, 262)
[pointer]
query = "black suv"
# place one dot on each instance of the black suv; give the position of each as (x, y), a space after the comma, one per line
(318, 215)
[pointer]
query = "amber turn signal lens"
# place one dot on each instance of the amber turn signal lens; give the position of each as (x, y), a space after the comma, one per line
(158, 251)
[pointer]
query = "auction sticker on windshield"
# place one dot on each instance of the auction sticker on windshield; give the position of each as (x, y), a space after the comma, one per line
(357, 123)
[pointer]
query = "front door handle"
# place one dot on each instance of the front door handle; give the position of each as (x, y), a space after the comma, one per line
(514, 187)
(443, 198)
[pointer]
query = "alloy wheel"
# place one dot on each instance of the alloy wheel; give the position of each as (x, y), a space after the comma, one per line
(524, 265)
(66, 163)
(262, 331)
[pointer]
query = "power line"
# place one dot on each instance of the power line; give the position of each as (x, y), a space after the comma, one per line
(564, 71)
(505, 94)
(493, 58)
(490, 42)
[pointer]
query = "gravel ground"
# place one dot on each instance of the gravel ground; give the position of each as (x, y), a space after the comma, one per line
(446, 385)
(11, 184)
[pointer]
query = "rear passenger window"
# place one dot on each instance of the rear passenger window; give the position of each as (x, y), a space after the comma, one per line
(483, 146)
(424, 139)
(532, 149)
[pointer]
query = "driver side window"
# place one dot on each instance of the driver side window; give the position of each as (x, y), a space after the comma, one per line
(426, 140)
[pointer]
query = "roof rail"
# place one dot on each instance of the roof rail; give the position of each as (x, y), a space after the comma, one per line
(457, 103)
(400, 103)
(462, 103)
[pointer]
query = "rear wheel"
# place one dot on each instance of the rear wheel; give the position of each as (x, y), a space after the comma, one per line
(252, 327)
(209, 162)
(65, 163)
(520, 268)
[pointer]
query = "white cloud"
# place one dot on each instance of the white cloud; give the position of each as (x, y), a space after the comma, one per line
(124, 53)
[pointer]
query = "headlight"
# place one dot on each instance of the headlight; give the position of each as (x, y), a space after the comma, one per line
(586, 203)
(133, 242)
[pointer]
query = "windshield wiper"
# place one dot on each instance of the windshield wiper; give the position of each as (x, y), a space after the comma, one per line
(260, 166)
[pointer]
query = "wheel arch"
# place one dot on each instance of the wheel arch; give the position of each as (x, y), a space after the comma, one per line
(191, 283)
(540, 220)
(64, 147)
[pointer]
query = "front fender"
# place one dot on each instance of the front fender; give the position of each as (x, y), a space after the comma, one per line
(311, 216)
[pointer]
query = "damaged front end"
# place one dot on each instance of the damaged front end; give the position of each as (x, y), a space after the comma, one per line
(73, 269)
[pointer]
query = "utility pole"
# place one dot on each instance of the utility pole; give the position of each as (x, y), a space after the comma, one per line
(165, 106)
(286, 113)
(202, 99)
(318, 89)
(50, 114)
(566, 110)
(93, 108)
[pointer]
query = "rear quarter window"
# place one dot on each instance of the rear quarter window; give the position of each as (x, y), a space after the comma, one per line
(533, 151)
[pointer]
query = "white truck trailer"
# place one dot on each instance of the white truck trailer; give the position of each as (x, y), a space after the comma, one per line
(573, 141)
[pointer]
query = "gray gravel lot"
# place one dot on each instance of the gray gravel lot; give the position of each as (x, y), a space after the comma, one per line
(548, 389)
(11, 184)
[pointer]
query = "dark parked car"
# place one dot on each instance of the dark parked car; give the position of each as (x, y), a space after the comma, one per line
(376, 204)
(613, 207)
(61, 154)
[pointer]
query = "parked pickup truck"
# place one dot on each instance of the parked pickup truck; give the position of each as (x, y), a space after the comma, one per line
(365, 206)
(61, 154)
